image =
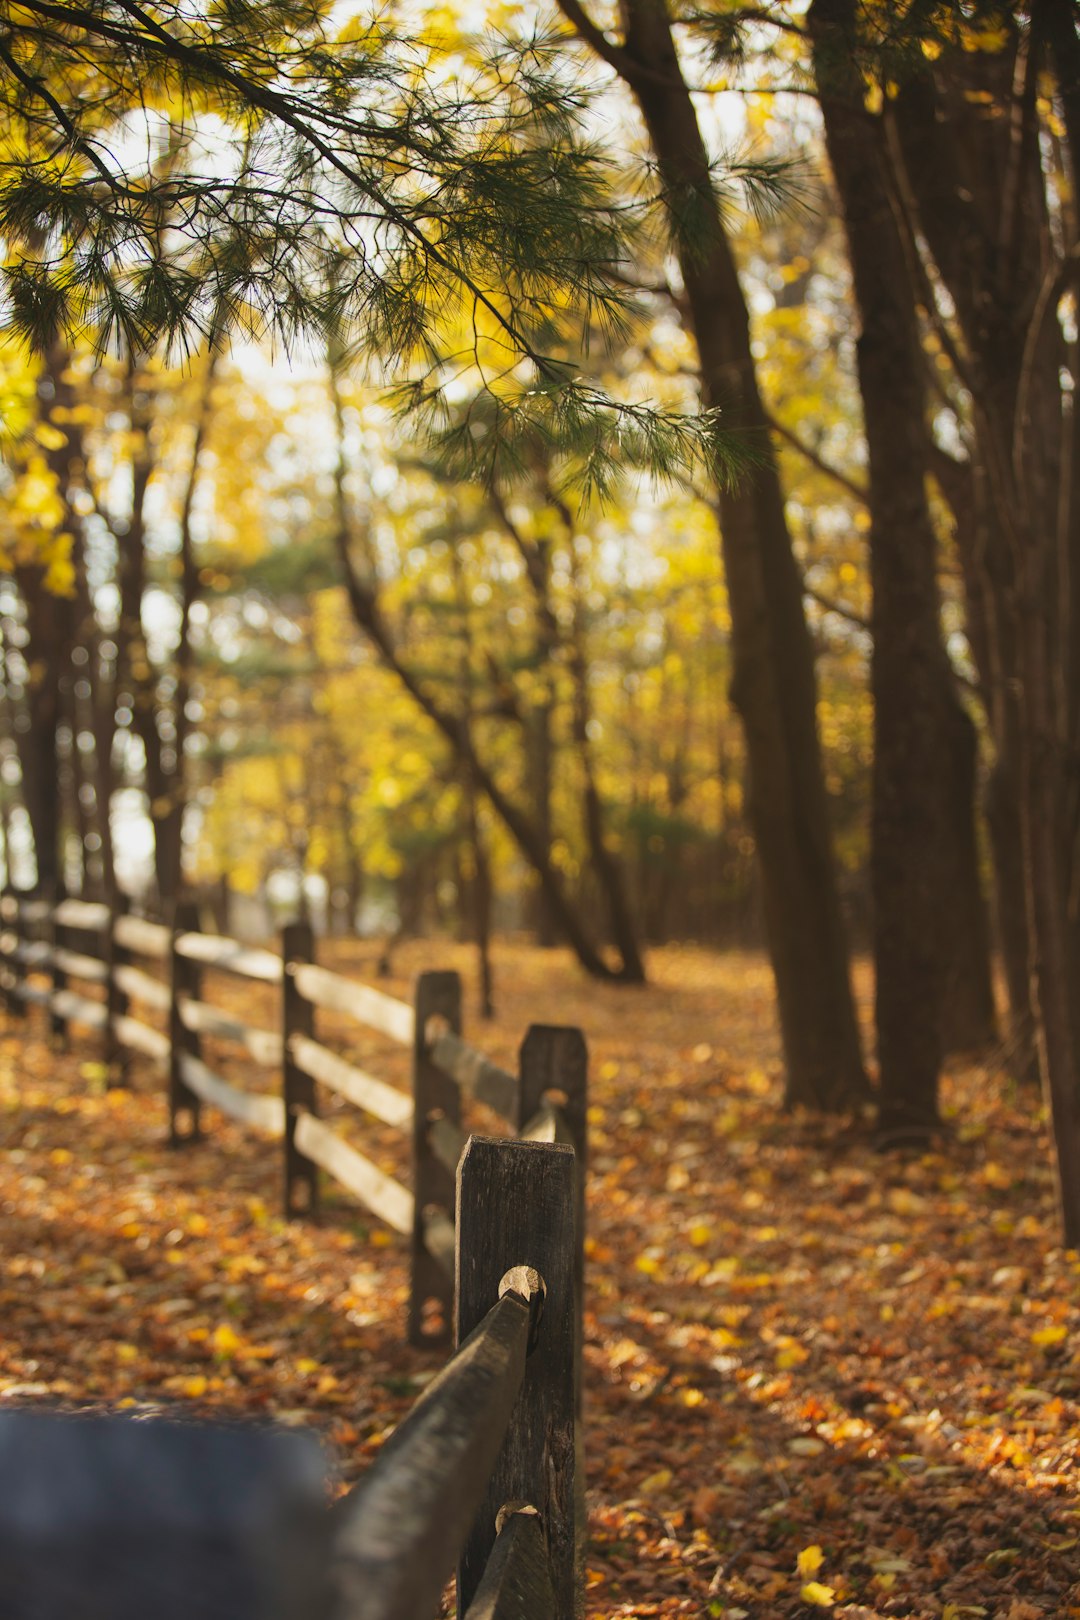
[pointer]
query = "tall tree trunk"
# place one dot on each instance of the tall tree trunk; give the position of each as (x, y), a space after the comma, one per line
(51, 629)
(773, 686)
(607, 867)
(909, 669)
(967, 1015)
(48, 632)
(478, 880)
(991, 633)
(538, 719)
(973, 190)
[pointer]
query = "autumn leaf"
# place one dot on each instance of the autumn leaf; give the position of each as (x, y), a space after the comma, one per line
(226, 1341)
(809, 1562)
(821, 1597)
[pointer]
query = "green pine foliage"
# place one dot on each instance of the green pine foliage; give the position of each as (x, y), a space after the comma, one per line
(438, 206)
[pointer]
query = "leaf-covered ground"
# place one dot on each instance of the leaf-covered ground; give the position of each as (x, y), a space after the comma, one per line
(815, 1377)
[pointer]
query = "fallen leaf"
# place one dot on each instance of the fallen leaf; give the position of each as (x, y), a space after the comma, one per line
(821, 1597)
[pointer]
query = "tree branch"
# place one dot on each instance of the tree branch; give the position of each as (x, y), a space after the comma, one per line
(857, 491)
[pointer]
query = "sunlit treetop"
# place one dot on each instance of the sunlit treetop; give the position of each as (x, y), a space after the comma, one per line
(181, 169)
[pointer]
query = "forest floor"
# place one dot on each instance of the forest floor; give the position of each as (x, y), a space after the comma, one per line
(815, 1377)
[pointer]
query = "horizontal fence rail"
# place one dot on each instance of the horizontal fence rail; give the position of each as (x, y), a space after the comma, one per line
(142, 985)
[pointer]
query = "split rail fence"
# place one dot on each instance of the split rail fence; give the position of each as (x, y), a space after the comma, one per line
(131, 1518)
(140, 983)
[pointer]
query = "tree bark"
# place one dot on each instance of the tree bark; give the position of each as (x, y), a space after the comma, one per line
(914, 705)
(991, 633)
(968, 1021)
(974, 190)
(773, 685)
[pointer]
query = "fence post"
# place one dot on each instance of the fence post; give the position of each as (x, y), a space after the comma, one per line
(54, 933)
(13, 1002)
(185, 978)
(516, 1208)
(438, 995)
(117, 1001)
(555, 1058)
(297, 1018)
(21, 937)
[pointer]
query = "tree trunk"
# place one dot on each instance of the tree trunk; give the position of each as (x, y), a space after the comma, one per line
(974, 191)
(967, 1016)
(48, 632)
(478, 879)
(922, 813)
(607, 867)
(773, 686)
(991, 632)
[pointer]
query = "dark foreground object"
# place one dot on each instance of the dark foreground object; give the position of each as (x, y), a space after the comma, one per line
(112, 1518)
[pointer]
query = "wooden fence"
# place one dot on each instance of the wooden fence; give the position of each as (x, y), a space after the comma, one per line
(132, 971)
(481, 1471)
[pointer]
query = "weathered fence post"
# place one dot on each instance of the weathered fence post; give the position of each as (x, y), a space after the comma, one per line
(13, 1002)
(554, 1058)
(185, 978)
(54, 934)
(515, 1208)
(438, 995)
(117, 1001)
(553, 1065)
(297, 1018)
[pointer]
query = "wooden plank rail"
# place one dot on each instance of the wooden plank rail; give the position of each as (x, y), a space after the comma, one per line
(142, 1038)
(549, 1124)
(381, 1012)
(76, 1009)
(378, 1192)
(265, 1113)
(374, 1096)
(447, 1142)
(141, 986)
(88, 916)
(517, 1580)
(34, 952)
(263, 1044)
(475, 1073)
(39, 953)
(34, 993)
(229, 955)
(399, 1530)
(16, 908)
(143, 937)
(81, 966)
